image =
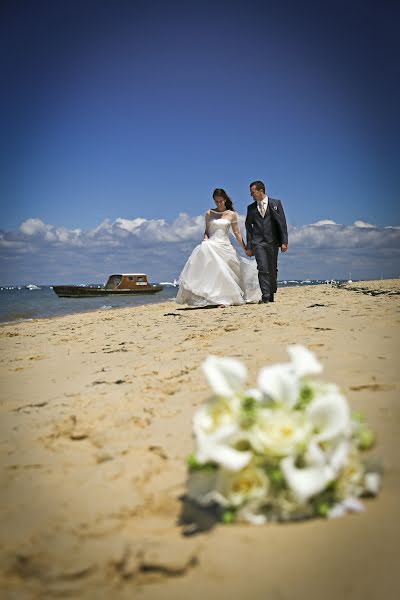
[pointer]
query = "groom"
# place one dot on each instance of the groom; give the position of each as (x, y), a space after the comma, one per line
(266, 232)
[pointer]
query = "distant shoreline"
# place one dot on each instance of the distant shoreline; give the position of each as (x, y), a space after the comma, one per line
(372, 287)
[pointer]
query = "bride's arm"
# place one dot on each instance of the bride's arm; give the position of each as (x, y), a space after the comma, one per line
(206, 219)
(236, 232)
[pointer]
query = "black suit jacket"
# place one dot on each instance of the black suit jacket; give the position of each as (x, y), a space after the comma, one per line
(272, 228)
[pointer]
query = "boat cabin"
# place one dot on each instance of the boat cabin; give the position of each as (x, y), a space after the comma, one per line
(126, 281)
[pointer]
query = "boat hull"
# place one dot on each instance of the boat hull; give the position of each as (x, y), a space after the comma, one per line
(79, 291)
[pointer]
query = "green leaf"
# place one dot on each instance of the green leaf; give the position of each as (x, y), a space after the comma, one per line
(228, 517)
(276, 477)
(366, 439)
(323, 509)
(249, 410)
(357, 416)
(305, 396)
(194, 465)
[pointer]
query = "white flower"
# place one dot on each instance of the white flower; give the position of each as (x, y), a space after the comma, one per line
(255, 394)
(307, 482)
(236, 489)
(351, 479)
(314, 454)
(251, 513)
(330, 416)
(337, 511)
(275, 448)
(348, 505)
(280, 383)
(372, 483)
(304, 361)
(353, 505)
(279, 432)
(226, 376)
(286, 508)
(322, 469)
(216, 430)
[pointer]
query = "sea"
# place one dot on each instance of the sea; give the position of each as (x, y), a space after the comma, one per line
(28, 302)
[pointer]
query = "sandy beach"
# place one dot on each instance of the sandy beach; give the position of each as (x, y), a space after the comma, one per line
(96, 415)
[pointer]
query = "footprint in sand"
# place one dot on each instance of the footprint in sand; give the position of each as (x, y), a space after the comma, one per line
(374, 387)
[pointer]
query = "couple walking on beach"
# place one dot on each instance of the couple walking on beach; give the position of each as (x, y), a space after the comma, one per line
(215, 274)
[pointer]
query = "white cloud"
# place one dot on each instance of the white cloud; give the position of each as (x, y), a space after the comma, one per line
(34, 227)
(363, 224)
(51, 254)
(323, 222)
(130, 225)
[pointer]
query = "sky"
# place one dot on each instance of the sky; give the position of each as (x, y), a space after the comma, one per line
(119, 118)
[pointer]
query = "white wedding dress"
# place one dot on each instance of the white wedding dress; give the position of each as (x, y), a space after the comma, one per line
(215, 273)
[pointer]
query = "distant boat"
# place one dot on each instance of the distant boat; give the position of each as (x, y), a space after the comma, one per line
(117, 285)
(31, 286)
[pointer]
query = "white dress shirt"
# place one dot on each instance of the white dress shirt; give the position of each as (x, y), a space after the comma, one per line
(262, 206)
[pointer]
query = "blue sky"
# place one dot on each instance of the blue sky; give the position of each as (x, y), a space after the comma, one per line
(138, 110)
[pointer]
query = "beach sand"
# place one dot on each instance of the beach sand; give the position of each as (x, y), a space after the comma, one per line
(96, 425)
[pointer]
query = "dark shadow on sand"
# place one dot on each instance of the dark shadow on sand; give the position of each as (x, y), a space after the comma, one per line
(190, 308)
(197, 519)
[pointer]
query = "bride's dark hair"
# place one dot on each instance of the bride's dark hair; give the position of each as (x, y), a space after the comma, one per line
(224, 195)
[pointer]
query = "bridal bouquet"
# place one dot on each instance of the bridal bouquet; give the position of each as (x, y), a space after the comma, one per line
(288, 449)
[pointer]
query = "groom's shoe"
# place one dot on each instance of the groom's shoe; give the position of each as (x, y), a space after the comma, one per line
(271, 298)
(263, 301)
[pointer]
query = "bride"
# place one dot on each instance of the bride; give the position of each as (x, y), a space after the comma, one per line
(215, 274)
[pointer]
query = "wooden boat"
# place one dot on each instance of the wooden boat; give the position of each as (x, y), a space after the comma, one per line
(117, 285)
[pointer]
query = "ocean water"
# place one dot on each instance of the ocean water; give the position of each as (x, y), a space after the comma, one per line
(17, 303)
(21, 304)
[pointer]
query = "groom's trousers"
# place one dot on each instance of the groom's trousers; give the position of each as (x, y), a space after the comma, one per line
(266, 255)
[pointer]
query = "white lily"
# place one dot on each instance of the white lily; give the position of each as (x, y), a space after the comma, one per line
(304, 361)
(307, 482)
(330, 416)
(226, 376)
(323, 469)
(215, 439)
(280, 383)
(335, 456)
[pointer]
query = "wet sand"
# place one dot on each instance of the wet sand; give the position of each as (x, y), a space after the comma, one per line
(96, 423)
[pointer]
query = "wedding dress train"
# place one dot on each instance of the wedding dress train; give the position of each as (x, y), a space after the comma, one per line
(215, 274)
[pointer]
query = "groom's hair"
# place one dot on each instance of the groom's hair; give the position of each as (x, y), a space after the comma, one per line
(259, 185)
